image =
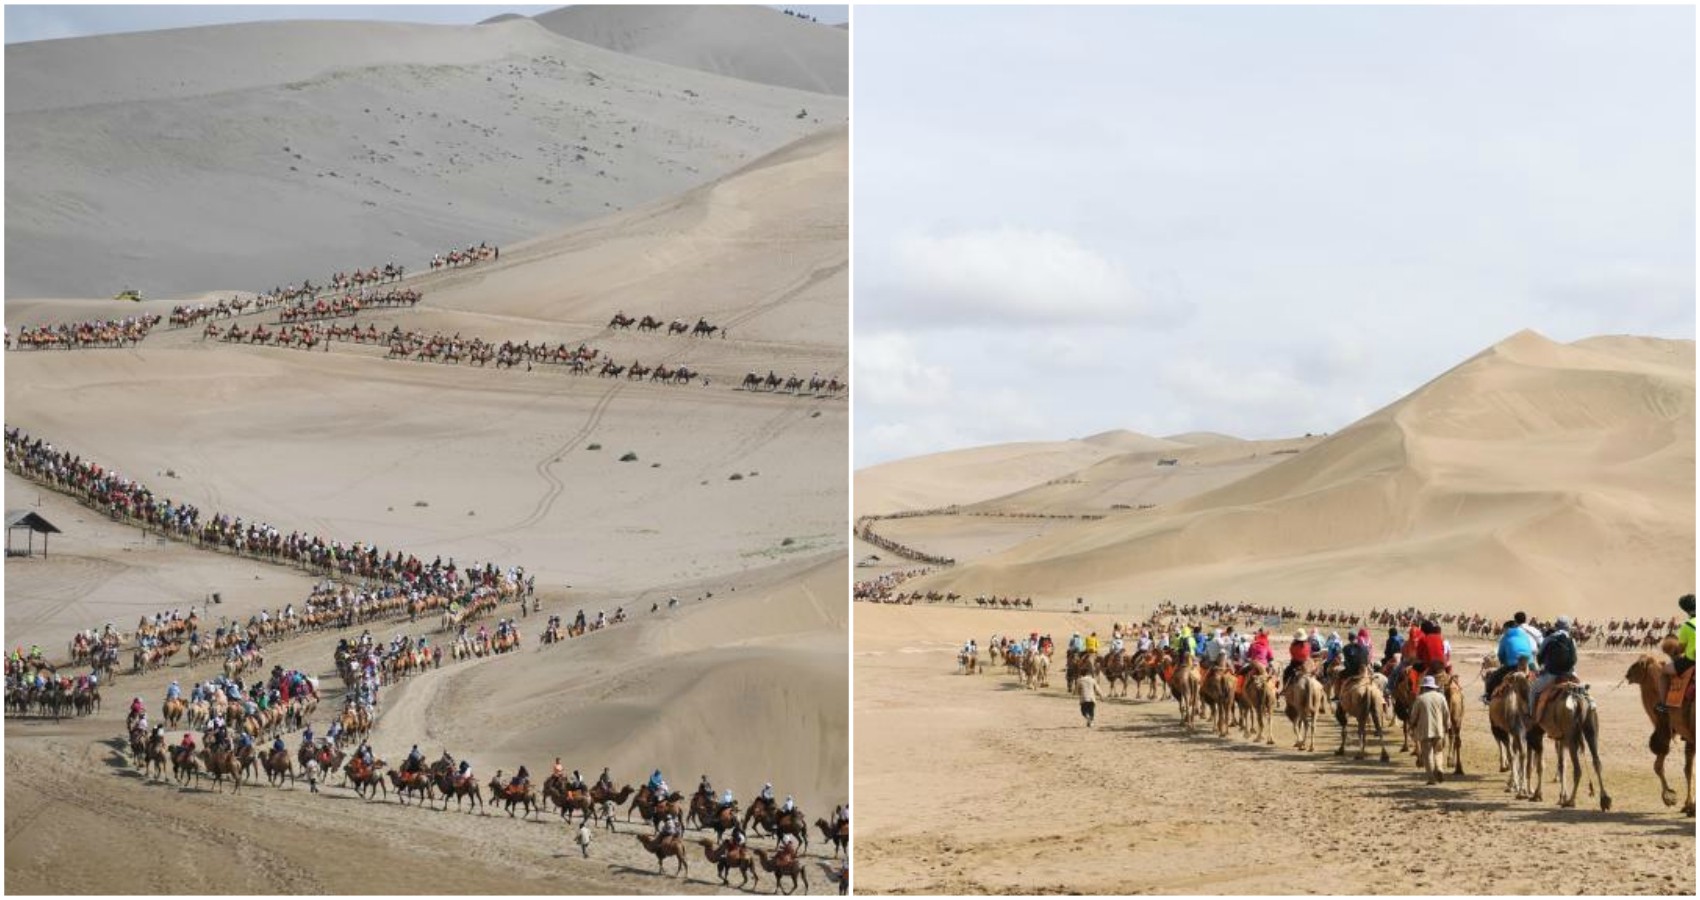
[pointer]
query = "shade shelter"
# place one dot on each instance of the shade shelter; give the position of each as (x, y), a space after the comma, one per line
(32, 524)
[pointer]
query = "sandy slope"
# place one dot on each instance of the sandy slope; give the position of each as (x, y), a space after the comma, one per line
(281, 151)
(969, 476)
(1557, 478)
(755, 43)
(971, 785)
(748, 685)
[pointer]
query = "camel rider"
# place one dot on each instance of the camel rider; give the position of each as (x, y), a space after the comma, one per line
(1183, 642)
(669, 827)
(188, 745)
(1092, 643)
(1681, 666)
(173, 691)
(787, 849)
(1434, 653)
(1395, 645)
(789, 806)
(465, 771)
(1356, 657)
(142, 722)
(1333, 646)
(727, 801)
(1116, 645)
(521, 779)
(307, 735)
(654, 784)
(767, 793)
(136, 708)
(1557, 657)
(364, 754)
(557, 772)
(704, 788)
(1516, 648)
(158, 734)
(737, 838)
(1685, 635)
(277, 744)
(1260, 654)
(576, 782)
(244, 740)
(605, 781)
(1298, 654)
(1076, 643)
(415, 760)
(332, 733)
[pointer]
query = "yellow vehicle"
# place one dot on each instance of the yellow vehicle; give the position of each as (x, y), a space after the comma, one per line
(134, 296)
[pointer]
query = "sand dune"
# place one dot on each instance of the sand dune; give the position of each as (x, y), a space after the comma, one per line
(282, 151)
(755, 43)
(1559, 478)
(961, 477)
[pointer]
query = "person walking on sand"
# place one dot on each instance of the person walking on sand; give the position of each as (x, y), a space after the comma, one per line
(1087, 686)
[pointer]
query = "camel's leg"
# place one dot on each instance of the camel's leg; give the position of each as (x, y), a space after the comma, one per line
(1590, 733)
(1688, 775)
(1666, 792)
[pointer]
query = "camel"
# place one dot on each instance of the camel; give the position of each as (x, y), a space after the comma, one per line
(1305, 702)
(555, 791)
(153, 758)
(1570, 718)
(727, 858)
(174, 710)
(412, 783)
(653, 811)
(968, 662)
(1453, 688)
(664, 847)
(1185, 683)
(366, 780)
(1360, 700)
(840, 838)
(1217, 693)
(458, 788)
(278, 767)
(184, 766)
(777, 823)
(1036, 670)
(792, 868)
(514, 796)
(1507, 710)
(221, 763)
(1649, 675)
(1260, 704)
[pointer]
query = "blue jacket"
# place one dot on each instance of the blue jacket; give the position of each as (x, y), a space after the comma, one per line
(1515, 644)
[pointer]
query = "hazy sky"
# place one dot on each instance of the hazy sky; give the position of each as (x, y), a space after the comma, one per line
(44, 22)
(1259, 221)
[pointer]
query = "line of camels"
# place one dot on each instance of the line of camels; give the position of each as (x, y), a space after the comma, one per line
(623, 322)
(1223, 698)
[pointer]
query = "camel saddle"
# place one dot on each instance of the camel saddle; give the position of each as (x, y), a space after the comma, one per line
(1680, 690)
(1566, 684)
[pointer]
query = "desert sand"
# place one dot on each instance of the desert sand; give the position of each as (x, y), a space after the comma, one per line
(755, 43)
(1556, 478)
(745, 680)
(231, 157)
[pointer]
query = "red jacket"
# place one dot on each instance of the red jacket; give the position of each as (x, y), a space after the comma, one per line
(1299, 651)
(1432, 648)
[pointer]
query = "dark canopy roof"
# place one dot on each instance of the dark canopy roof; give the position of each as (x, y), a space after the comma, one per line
(23, 518)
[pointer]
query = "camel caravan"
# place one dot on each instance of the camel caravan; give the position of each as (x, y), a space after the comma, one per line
(1225, 680)
(455, 259)
(677, 327)
(794, 385)
(348, 305)
(125, 332)
(234, 722)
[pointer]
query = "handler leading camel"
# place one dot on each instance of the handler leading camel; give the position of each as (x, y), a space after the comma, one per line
(1429, 715)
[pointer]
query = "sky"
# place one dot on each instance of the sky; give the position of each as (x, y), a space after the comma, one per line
(45, 22)
(1260, 221)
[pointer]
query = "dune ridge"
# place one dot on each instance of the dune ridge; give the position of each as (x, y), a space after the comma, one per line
(1556, 477)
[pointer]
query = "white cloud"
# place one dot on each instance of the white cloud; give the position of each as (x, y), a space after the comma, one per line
(890, 372)
(1012, 274)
